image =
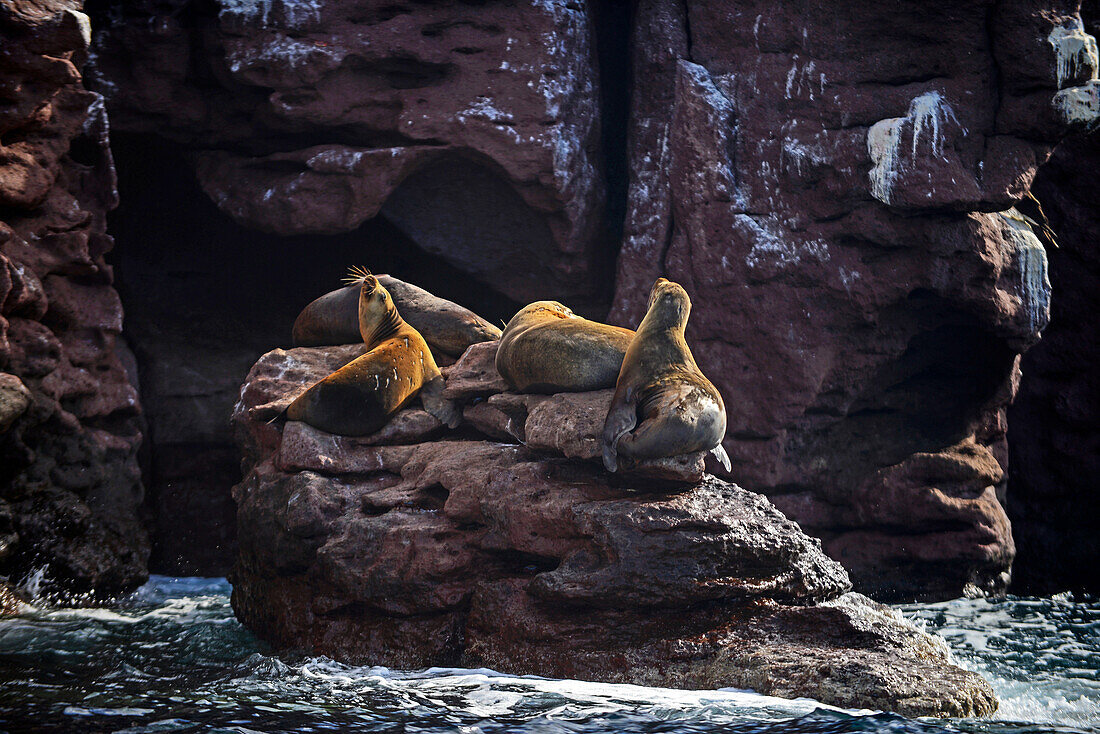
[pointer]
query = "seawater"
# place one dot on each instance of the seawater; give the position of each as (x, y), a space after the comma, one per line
(172, 658)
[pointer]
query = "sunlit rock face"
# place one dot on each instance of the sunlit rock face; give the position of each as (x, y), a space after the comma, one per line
(70, 424)
(834, 186)
(1053, 425)
(472, 128)
(418, 546)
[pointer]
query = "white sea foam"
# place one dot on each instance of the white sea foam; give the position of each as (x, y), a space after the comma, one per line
(1040, 655)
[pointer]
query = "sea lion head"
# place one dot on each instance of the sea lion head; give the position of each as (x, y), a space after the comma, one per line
(377, 314)
(669, 305)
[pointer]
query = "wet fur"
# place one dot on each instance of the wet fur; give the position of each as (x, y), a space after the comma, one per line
(362, 396)
(448, 328)
(546, 348)
(663, 404)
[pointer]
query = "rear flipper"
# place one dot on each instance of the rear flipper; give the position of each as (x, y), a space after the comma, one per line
(447, 411)
(720, 454)
(621, 419)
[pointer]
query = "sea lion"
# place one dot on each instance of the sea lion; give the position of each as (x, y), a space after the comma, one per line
(361, 397)
(547, 348)
(447, 327)
(661, 391)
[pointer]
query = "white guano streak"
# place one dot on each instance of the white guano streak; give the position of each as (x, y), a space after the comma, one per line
(1031, 259)
(928, 115)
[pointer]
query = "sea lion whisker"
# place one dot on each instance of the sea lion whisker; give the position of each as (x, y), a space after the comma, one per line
(356, 274)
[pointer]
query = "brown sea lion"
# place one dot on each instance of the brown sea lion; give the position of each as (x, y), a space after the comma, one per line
(547, 348)
(447, 327)
(663, 405)
(361, 397)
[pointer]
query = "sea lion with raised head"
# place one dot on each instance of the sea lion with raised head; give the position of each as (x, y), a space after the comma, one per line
(663, 405)
(361, 397)
(546, 348)
(447, 327)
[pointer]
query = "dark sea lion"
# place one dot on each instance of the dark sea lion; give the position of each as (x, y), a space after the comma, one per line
(361, 397)
(661, 391)
(547, 348)
(447, 327)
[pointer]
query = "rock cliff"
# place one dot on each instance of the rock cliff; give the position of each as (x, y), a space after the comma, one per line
(834, 185)
(411, 548)
(838, 200)
(1054, 428)
(70, 423)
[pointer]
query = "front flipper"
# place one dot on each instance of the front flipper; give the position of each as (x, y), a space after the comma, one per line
(447, 411)
(622, 416)
(720, 454)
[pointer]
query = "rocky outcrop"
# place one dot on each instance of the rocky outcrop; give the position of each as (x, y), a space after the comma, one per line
(70, 426)
(1054, 433)
(312, 118)
(838, 201)
(413, 548)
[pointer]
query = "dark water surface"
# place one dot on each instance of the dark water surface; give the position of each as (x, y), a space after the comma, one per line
(171, 658)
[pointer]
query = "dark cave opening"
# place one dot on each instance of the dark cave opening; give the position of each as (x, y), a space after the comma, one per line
(204, 297)
(613, 21)
(929, 398)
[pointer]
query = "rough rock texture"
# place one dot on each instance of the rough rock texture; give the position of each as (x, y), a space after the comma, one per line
(1054, 426)
(467, 132)
(70, 488)
(833, 185)
(401, 550)
(314, 117)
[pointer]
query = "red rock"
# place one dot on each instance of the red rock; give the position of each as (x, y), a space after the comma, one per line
(474, 553)
(316, 119)
(822, 196)
(1052, 427)
(72, 489)
(823, 180)
(475, 374)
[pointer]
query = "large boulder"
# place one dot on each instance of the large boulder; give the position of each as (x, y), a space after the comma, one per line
(410, 549)
(834, 184)
(70, 422)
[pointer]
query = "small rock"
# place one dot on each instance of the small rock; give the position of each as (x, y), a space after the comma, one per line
(475, 374)
(15, 398)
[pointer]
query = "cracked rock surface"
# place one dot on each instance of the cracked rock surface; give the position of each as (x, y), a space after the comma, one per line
(412, 548)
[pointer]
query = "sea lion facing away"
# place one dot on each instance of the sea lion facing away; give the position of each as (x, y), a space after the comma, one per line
(547, 348)
(663, 405)
(447, 327)
(361, 397)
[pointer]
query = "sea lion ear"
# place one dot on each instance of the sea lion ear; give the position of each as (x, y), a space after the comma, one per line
(653, 293)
